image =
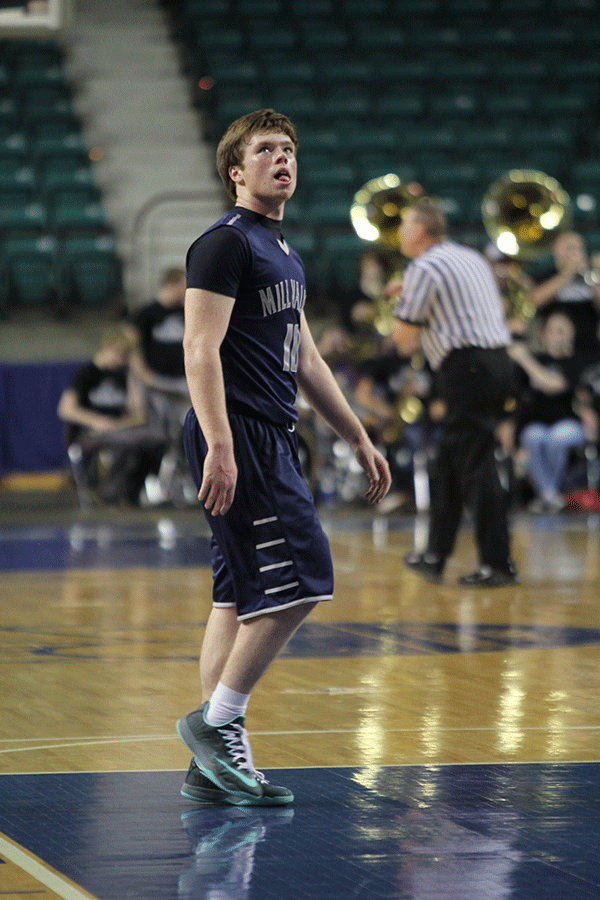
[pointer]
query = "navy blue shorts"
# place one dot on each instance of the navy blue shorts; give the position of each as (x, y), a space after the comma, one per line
(269, 551)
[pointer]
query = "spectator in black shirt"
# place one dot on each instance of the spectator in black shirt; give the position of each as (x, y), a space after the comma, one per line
(572, 289)
(158, 329)
(547, 426)
(104, 410)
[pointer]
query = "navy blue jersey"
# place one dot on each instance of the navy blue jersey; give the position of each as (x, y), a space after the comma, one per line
(244, 256)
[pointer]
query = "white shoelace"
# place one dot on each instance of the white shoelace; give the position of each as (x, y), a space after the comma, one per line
(236, 738)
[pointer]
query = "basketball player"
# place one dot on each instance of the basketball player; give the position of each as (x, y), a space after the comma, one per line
(247, 349)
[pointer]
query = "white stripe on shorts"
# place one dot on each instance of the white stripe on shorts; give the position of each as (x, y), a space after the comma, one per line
(265, 521)
(283, 587)
(288, 562)
(270, 543)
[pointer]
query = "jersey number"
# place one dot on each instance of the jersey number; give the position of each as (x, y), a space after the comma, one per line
(291, 348)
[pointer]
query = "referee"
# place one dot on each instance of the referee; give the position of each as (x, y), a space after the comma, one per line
(451, 306)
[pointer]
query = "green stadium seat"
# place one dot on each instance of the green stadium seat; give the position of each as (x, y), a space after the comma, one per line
(266, 35)
(208, 8)
(438, 37)
(329, 210)
(468, 7)
(585, 176)
(233, 73)
(412, 8)
(57, 114)
(354, 9)
(399, 105)
(20, 210)
(374, 165)
(323, 35)
(73, 208)
(452, 175)
(375, 36)
(17, 173)
(482, 137)
(345, 104)
(356, 140)
(345, 244)
(317, 138)
(351, 71)
(259, 8)
(217, 38)
(554, 161)
(564, 105)
(14, 146)
(508, 105)
(522, 6)
(45, 145)
(417, 140)
(458, 205)
(29, 265)
(309, 8)
(66, 172)
(293, 100)
(315, 178)
(229, 110)
(89, 270)
(453, 107)
(551, 136)
(448, 72)
(390, 69)
(9, 115)
(297, 72)
(523, 74)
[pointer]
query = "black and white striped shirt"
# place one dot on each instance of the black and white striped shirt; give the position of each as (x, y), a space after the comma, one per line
(451, 292)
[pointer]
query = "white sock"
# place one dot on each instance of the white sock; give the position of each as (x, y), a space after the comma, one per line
(225, 705)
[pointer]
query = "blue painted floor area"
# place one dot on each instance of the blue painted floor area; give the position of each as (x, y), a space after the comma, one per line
(499, 832)
(160, 545)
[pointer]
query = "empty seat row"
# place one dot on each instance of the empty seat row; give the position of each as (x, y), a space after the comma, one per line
(56, 246)
(41, 270)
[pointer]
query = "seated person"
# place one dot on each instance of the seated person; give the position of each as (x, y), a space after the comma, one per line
(587, 402)
(547, 426)
(158, 329)
(572, 290)
(111, 446)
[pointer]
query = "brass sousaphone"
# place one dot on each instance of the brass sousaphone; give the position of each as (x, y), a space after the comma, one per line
(376, 214)
(523, 213)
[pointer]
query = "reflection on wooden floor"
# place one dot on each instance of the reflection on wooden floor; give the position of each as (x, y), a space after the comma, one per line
(100, 625)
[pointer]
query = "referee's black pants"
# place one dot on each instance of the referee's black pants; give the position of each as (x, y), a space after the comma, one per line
(475, 384)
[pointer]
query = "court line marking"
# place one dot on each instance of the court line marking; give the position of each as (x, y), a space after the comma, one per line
(90, 742)
(396, 765)
(42, 872)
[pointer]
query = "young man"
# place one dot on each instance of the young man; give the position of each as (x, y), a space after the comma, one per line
(247, 348)
(451, 305)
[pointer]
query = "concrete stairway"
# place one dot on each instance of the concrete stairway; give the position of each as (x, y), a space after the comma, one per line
(137, 118)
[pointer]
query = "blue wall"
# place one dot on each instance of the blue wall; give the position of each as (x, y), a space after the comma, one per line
(31, 434)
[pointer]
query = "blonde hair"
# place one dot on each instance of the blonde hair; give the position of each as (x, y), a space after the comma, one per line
(118, 337)
(230, 151)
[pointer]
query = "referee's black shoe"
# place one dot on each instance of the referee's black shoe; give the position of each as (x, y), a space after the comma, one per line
(485, 576)
(430, 567)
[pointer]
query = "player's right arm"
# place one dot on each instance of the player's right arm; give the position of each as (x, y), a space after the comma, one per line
(207, 316)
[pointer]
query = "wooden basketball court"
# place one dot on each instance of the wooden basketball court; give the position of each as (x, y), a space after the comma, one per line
(440, 741)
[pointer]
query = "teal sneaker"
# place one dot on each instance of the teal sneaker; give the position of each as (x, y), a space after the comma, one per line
(222, 753)
(198, 787)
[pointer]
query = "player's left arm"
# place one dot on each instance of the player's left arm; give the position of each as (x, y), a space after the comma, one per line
(322, 392)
